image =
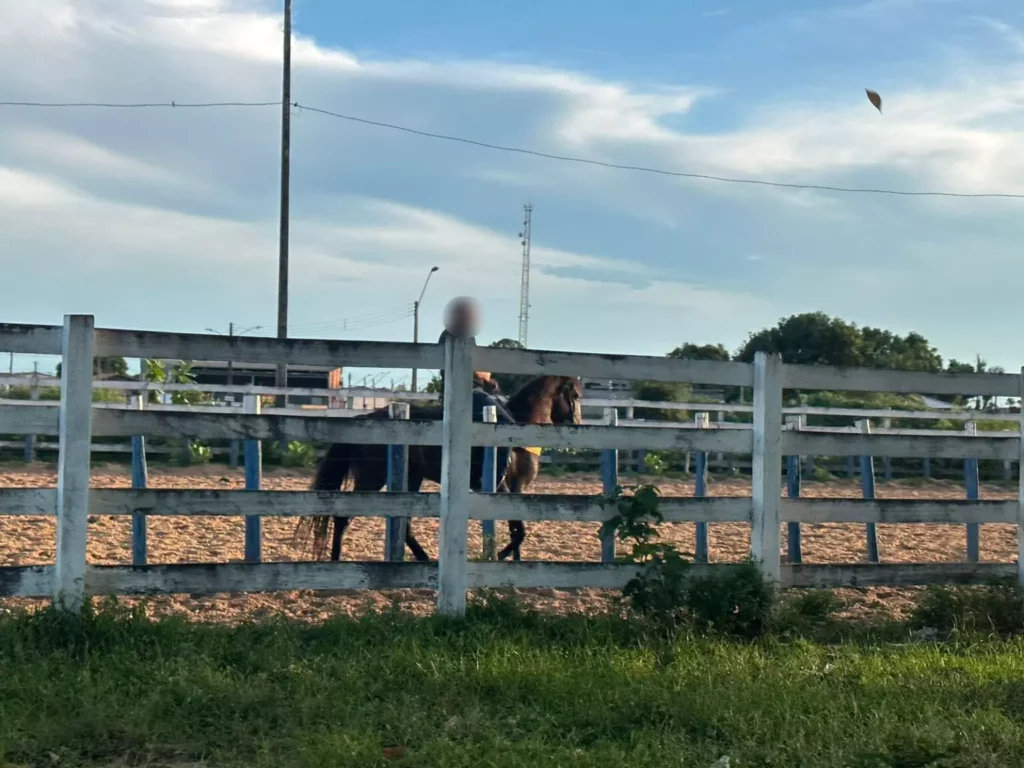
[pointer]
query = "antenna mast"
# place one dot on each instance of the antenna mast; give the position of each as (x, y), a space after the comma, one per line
(524, 286)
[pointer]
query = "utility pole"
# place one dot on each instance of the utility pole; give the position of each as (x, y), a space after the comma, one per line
(231, 363)
(282, 258)
(524, 285)
(416, 320)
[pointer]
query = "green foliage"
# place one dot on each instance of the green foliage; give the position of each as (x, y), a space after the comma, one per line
(657, 594)
(814, 338)
(996, 608)
(110, 366)
(700, 352)
(663, 595)
(434, 385)
(665, 392)
(506, 687)
(295, 454)
(156, 371)
(738, 603)
(199, 452)
(803, 612)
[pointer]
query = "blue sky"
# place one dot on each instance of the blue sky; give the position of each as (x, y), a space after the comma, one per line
(167, 219)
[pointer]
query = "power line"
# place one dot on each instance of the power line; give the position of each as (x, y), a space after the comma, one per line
(141, 105)
(358, 323)
(403, 311)
(660, 171)
(532, 152)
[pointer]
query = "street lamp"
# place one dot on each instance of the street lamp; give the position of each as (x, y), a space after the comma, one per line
(416, 319)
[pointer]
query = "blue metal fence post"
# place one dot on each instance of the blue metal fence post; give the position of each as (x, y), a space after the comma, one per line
(253, 451)
(793, 543)
(398, 482)
(609, 480)
(867, 484)
(489, 484)
(140, 480)
(973, 494)
(700, 490)
(30, 440)
(887, 460)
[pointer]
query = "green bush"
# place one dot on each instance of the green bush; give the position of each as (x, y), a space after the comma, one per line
(802, 612)
(735, 601)
(739, 602)
(996, 608)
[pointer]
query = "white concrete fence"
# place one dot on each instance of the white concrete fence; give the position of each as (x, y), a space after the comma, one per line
(76, 421)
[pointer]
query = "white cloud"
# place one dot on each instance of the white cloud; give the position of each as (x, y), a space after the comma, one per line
(146, 212)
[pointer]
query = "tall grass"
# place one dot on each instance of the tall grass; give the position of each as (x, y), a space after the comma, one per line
(503, 687)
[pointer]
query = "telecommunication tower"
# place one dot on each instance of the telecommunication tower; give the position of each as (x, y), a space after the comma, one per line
(524, 285)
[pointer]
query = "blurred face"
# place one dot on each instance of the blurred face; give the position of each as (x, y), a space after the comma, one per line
(462, 317)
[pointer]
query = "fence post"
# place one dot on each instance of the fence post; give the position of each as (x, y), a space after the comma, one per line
(489, 483)
(1020, 485)
(793, 544)
(887, 460)
(455, 457)
(75, 434)
(30, 440)
(609, 479)
(720, 457)
(700, 490)
(867, 486)
(398, 482)
(140, 479)
(766, 465)
(253, 476)
(971, 483)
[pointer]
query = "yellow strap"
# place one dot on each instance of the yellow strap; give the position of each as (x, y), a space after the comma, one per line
(534, 451)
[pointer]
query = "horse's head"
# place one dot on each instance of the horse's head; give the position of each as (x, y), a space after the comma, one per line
(567, 402)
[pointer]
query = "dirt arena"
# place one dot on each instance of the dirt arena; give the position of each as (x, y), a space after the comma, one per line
(30, 540)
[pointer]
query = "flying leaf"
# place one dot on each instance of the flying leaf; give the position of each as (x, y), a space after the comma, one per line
(875, 99)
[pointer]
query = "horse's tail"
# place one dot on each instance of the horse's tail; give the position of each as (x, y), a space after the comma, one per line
(331, 474)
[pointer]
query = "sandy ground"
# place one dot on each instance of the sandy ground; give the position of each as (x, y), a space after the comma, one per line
(29, 540)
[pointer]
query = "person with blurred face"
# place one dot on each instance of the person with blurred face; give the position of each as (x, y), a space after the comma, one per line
(462, 316)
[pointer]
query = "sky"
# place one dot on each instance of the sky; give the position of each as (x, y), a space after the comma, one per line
(166, 219)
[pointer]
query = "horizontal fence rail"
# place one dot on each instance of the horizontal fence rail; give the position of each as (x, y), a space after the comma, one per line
(76, 421)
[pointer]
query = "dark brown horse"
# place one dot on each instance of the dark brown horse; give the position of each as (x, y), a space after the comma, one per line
(545, 400)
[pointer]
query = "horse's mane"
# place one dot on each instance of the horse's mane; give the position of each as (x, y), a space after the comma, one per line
(518, 404)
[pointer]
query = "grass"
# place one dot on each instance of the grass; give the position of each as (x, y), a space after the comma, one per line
(501, 688)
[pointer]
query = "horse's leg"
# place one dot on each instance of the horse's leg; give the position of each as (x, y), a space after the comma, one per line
(340, 526)
(523, 470)
(415, 481)
(370, 474)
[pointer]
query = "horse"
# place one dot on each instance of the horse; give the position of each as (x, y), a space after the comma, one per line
(544, 400)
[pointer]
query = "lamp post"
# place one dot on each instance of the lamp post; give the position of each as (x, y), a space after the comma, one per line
(231, 364)
(416, 320)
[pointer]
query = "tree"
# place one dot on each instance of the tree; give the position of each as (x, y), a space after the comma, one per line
(509, 382)
(979, 366)
(181, 373)
(814, 338)
(700, 352)
(810, 338)
(110, 366)
(661, 391)
(884, 349)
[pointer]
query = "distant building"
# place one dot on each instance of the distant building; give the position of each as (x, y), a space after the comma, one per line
(264, 375)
